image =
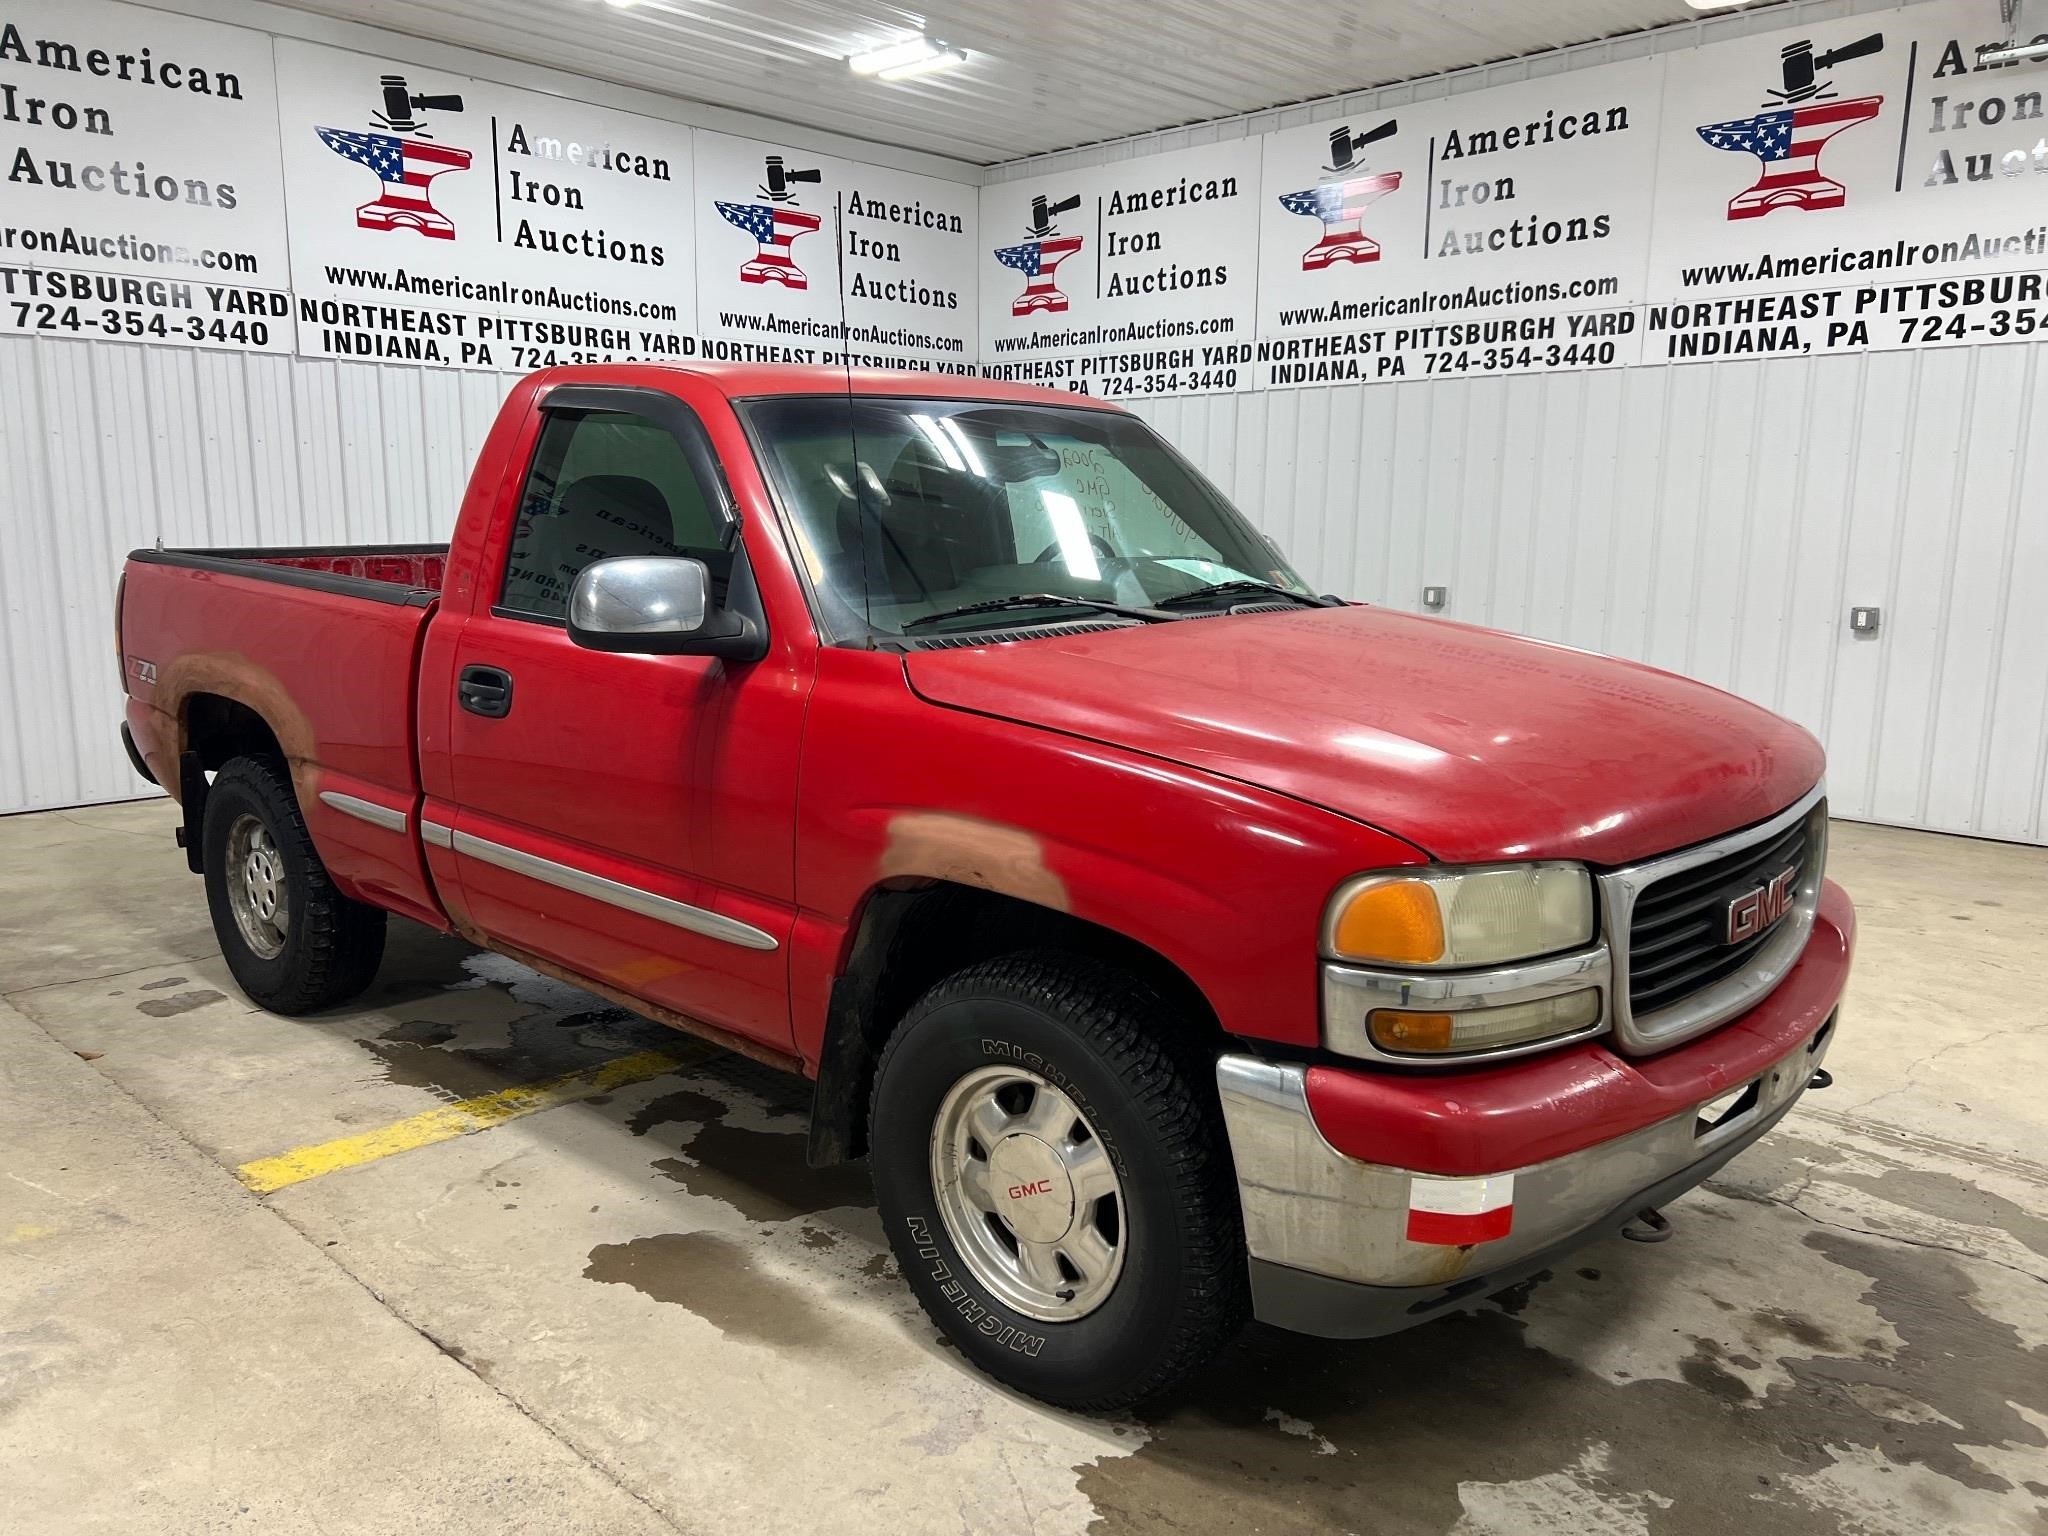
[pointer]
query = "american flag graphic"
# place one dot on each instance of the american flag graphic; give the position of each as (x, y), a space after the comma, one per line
(1788, 142)
(1036, 260)
(774, 230)
(1340, 205)
(404, 166)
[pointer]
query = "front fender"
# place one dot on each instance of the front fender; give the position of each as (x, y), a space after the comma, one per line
(1225, 880)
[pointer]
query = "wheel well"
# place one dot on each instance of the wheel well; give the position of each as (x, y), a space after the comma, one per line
(217, 731)
(908, 940)
(221, 729)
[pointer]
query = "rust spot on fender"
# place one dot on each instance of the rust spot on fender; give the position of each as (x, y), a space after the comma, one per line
(936, 845)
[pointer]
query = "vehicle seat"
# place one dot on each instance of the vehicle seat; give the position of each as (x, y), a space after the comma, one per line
(890, 558)
(596, 518)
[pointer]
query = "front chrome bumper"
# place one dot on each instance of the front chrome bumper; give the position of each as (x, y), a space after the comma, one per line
(1327, 1233)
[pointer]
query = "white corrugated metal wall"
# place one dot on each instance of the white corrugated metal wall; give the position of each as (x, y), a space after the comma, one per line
(106, 447)
(1717, 520)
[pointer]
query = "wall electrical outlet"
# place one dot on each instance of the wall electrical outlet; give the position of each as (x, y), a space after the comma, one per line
(1435, 597)
(1865, 621)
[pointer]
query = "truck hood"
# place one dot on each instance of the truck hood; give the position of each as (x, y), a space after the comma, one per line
(1471, 744)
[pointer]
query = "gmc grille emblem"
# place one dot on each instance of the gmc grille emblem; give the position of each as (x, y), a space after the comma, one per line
(1753, 911)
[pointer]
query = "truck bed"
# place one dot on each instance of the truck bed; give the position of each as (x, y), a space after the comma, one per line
(322, 645)
(395, 573)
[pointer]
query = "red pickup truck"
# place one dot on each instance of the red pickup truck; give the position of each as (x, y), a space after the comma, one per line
(1176, 944)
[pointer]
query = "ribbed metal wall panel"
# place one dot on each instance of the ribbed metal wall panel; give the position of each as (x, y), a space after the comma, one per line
(1718, 520)
(104, 447)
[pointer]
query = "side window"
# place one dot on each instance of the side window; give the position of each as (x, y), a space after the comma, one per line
(605, 483)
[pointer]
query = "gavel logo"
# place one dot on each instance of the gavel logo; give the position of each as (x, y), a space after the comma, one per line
(1044, 213)
(781, 177)
(399, 104)
(1344, 145)
(1801, 66)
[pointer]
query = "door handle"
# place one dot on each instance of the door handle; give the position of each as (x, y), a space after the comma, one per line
(485, 691)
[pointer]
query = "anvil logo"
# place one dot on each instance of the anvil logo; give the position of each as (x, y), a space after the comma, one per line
(405, 159)
(775, 223)
(1038, 257)
(1788, 139)
(1342, 197)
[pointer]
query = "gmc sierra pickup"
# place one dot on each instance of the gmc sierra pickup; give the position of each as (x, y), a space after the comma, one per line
(1176, 944)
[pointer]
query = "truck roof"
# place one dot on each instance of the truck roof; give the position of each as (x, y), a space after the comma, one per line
(740, 381)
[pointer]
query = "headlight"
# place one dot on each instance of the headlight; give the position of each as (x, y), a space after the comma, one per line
(1461, 917)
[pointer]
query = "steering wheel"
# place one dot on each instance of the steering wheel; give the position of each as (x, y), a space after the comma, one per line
(1095, 542)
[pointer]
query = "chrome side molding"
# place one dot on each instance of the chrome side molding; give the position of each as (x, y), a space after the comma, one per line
(629, 898)
(364, 810)
(435, 835)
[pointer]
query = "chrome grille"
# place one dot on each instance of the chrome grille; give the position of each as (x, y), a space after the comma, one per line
(1677, 936)
(1666, 925)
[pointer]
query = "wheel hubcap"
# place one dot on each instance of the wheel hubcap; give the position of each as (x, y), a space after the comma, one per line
(256, 887)
(1028, 1194)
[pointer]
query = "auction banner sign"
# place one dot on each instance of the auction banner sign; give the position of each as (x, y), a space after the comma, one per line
(143, 200)
(1502, 231)
(442, 220)
(1854, 184)
(1138, 278)
(808, 258)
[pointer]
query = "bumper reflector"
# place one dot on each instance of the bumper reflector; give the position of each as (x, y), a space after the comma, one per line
(1457, 1213)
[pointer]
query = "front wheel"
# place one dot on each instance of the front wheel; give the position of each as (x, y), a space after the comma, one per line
(294, 943)
(1054, 1176)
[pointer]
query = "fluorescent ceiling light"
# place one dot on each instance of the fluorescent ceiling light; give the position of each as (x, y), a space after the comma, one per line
(2011, 53)
(913, 56)
(1715, 5)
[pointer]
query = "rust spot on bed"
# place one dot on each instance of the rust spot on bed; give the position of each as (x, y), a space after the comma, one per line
(233, 676)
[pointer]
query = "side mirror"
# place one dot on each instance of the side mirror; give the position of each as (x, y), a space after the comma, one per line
(656, 605)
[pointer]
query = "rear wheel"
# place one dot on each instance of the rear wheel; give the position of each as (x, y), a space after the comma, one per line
(1055, 1180)
(294, 943)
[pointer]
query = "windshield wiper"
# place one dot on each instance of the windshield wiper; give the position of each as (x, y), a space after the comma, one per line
(1242, 584)
(1041, 600)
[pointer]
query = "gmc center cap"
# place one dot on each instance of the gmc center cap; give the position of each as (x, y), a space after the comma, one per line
(1032, 1183)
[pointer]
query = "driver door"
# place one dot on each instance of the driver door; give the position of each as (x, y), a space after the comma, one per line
(628, 817)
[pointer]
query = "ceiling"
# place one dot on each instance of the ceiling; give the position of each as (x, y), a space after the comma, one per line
(1041, 74)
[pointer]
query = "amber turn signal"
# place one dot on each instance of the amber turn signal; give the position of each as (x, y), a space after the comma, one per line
(1394, 1029)
(1400, 1032)
(1395, 921)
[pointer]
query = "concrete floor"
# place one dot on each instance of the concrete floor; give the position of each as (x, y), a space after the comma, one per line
(642, 1312)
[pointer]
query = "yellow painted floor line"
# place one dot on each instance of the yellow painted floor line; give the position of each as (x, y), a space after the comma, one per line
(464, 1118)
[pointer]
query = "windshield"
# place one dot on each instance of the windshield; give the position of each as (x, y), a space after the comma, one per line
(908, 510)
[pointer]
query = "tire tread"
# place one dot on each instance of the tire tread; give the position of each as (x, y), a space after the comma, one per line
(339, 941)
(1167, 1073)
